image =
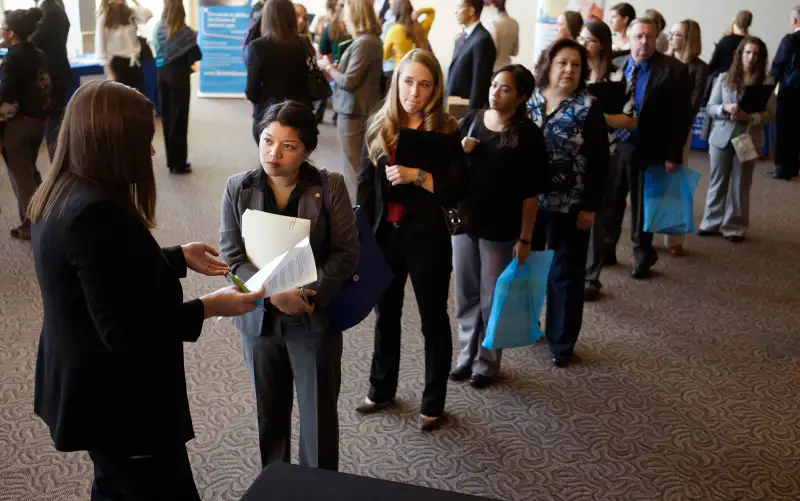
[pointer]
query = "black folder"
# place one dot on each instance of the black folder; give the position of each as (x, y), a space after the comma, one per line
(756, 97)
(611, 96)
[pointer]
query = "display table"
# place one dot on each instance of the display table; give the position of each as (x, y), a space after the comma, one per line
(285, 482)
(87, 67)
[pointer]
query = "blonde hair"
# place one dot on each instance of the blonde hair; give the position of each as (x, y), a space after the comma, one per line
(362, 18)
(385, 124)
(693, 42)
(743, 19)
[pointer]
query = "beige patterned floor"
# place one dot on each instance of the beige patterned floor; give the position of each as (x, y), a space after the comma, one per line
(689, 387)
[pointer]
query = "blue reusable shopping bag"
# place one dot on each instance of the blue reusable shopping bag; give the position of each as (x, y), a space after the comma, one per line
(517, 303)
(669, 200)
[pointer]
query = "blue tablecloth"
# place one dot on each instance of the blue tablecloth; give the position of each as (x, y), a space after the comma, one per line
(88, 66)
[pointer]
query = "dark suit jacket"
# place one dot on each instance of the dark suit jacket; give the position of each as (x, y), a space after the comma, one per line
(786, 65)
(698, 77)
(665, 118)
(51, 38)
(276, 72)
(109, 371)
(471, 69)
(423, 212)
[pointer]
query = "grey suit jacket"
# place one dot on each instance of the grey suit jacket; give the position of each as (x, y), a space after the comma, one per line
(246, 191)
(722, 128)
(357, 91)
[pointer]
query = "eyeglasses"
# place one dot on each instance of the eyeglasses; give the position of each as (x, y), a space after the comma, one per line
(586, 41)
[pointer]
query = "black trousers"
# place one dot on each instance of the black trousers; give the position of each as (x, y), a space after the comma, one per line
(565, 285)
(630, 180)
(174, 92)
(130, 75)
(165, 476)
(787, 149)
(428, 260)
(58, 102)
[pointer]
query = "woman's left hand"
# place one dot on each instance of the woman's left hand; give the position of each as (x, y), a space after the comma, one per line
(397, 174)
(585, 220)
(199, 259)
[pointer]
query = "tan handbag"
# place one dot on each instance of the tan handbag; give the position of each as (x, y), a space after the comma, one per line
(744, 147)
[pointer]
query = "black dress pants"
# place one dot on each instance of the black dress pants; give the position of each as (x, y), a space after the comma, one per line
(129, 74)
(428, 260)
(52, 125)
(788, 133)
(565, 286)
(174, 92)
(164, 476)
(630, 180)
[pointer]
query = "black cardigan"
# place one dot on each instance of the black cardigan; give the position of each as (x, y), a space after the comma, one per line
(423, 213)
(20, 80)
(109, 370)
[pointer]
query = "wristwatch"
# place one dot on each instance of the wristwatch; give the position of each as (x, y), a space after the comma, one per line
(422, 176)
(523, 241)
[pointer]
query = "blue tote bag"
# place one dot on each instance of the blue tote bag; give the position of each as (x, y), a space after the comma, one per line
(358, 295)
(517, 303)
(669, 200)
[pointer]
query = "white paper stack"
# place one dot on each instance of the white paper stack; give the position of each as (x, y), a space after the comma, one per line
(280, 248)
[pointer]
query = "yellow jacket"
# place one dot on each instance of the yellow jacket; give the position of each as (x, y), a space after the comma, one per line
(397, 42)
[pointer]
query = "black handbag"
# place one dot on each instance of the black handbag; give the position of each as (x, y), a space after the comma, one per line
(146, 53)
(318, 87)
(457, 217)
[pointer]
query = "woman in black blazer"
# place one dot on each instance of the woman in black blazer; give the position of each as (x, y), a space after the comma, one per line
(278, 62)
(405, 206)
(109, 372)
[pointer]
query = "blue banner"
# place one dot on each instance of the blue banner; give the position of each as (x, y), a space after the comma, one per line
(223, 25)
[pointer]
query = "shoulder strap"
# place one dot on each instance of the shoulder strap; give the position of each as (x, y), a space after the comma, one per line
(326, 198)
(477, 116)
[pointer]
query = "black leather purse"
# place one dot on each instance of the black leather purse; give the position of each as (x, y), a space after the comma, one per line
(318, 87)
(457, 217)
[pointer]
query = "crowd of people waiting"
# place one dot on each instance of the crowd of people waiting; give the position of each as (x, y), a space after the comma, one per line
(536, 164)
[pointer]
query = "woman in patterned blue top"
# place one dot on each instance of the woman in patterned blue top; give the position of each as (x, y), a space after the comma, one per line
(577, 144)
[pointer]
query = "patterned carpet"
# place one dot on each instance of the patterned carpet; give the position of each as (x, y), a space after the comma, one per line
(688, 385)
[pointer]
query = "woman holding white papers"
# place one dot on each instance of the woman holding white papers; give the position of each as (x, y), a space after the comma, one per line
(109, 373)
(728, 200)
(405, 207)
(291, 338)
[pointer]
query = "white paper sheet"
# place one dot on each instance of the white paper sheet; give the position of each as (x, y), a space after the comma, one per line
(292, 269)
(267, 236)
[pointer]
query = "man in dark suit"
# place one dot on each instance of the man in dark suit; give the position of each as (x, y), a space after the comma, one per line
(786, 71)
(661, 91)
(471, 69)
(51, 38)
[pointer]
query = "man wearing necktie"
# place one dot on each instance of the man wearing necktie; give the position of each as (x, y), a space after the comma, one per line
(661, 96)
(471, 69)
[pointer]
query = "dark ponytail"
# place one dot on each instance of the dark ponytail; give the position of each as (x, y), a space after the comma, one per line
(525, 84)
(23, 21)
